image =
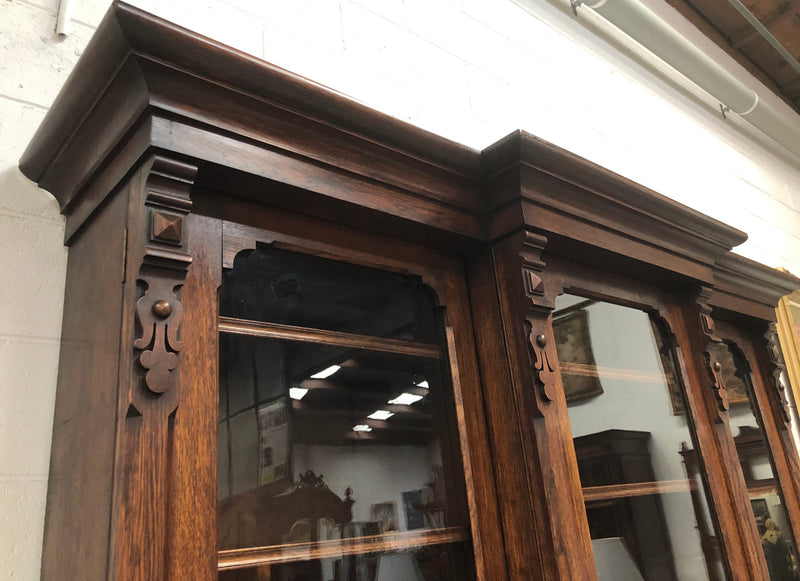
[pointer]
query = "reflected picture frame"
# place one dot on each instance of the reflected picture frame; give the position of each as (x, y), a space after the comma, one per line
(788, 327)
(576, 358)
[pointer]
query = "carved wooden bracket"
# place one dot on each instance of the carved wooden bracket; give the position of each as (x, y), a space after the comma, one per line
(778, 368)
(543, 371)
(532, 268)
(163, 270)
(713, 366)
(540, 306)
(159, 314)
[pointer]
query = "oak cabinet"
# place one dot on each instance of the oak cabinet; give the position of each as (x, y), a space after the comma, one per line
(303, 340)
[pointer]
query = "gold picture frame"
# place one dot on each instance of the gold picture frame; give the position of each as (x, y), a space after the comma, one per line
(788, 316)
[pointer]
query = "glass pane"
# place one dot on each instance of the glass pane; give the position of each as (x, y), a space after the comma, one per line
(340, 450)
(765, 496)
(359, 452)
(644, 498)
(368, 427)
(428, 563)
(289, 288)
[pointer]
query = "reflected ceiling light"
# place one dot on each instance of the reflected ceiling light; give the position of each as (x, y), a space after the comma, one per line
(362, 428)
(297, 392)
(405, 399)
(423, 384)
(326, 372)
(380, 415)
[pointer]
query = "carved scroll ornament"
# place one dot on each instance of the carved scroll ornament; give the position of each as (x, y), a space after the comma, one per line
(777, 371)
(159, 314)
(163, 270)
(543, 371)
(713, 366)
(539, 306)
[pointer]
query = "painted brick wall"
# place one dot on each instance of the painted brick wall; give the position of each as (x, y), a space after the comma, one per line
(471, 70)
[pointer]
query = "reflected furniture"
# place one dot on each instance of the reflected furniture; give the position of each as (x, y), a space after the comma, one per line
(617, 457)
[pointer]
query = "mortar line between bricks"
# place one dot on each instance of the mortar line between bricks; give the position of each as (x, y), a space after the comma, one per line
(24, 102)
(54, 14)
(30, 216)
(36, 6)
(23, 477)
(28, 338)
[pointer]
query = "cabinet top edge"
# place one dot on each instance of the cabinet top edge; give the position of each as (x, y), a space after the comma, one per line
(130, 44)
(127, 31)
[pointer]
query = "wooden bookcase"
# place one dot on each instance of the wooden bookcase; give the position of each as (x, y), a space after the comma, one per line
(171, 154)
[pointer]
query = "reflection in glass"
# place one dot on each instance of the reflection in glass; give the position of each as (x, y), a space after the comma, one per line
(337, 457)
(765, 497)
(646, 510)
(327, 429)
(285, 287)
(418, 563)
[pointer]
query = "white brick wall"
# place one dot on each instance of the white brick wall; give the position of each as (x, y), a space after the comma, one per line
(32, 65)
(471, 70)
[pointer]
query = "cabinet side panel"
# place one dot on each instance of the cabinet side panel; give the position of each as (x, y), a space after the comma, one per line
(82, 456)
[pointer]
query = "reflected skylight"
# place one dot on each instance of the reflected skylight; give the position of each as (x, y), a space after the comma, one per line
(297, 392)
(405, 399)
(380, 415)
(327, 372)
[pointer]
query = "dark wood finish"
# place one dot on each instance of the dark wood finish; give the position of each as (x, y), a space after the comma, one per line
(444, 277)
(770, 414)
(170, 154)
(724, 478)
(533, 507)
(159, 311)
(724, 482)
(776, 371)
(151, 438)
(468, 393)
(387, 542)
(784, 12)
(279, 331)
(82, 456)
(192, 507)
(792, 88)
(713, 366)
(611, 491)
(271, 112)
(746, 289)
(592, 204)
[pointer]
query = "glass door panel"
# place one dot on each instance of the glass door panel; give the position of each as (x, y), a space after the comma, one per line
(763, 488)
(645, 504)
(338, 455)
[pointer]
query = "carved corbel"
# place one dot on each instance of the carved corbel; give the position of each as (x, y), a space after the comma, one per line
(162, 272)
(539, 308)
(712, 342)
(777, 372)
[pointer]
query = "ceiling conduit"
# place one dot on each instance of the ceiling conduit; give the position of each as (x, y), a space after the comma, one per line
(658, 37)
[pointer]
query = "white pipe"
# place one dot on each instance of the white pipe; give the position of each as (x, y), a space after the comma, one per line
(64, 17)
(654, 34)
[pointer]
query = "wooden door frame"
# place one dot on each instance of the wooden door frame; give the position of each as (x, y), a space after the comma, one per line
(246, 225)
